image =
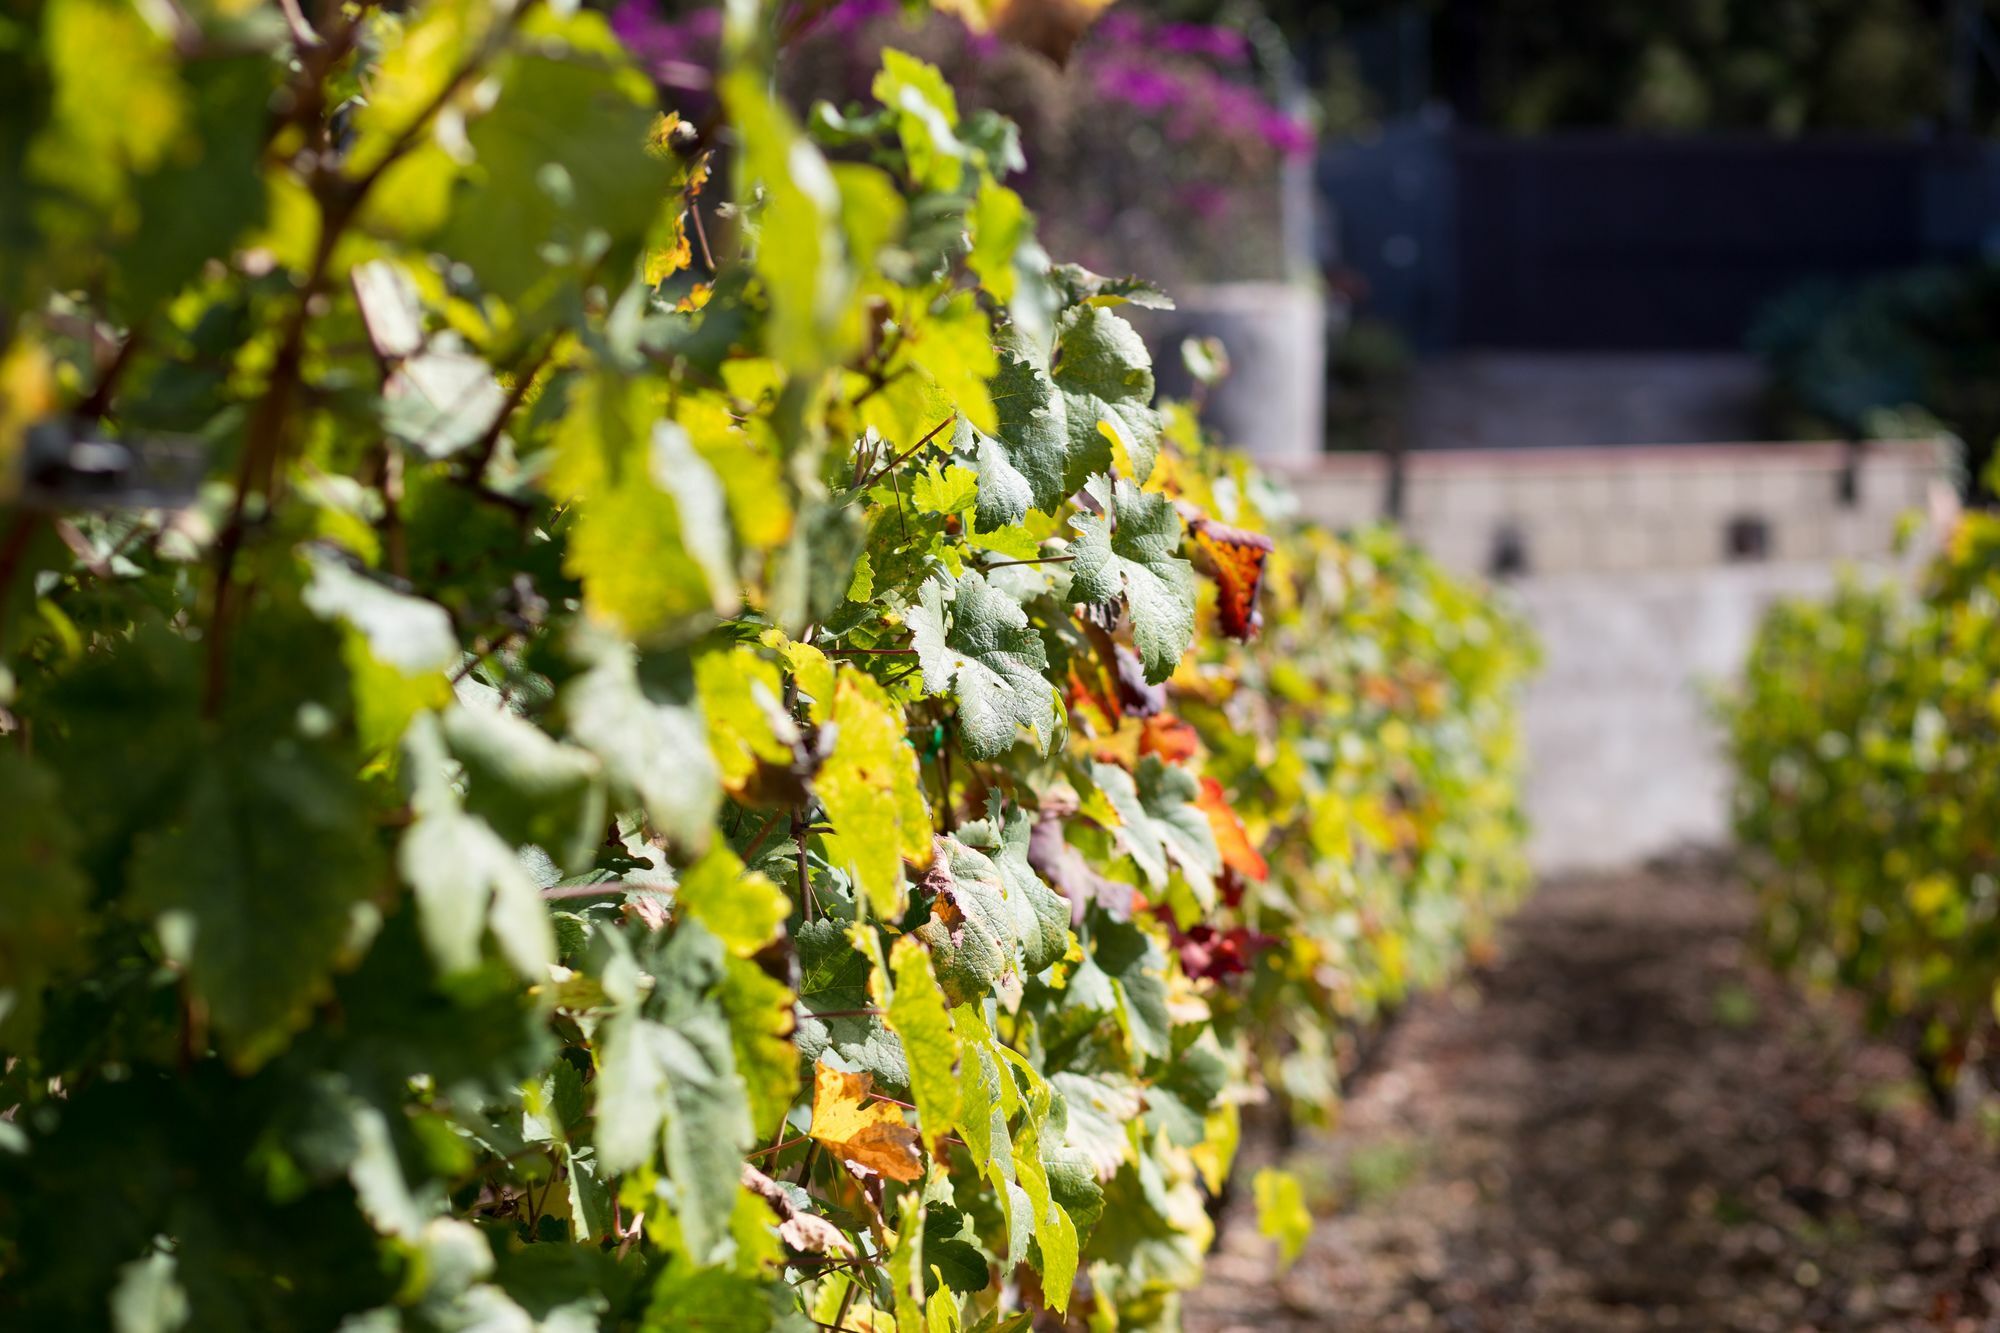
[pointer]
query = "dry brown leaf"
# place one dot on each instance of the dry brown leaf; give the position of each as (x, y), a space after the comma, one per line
(806, 1232)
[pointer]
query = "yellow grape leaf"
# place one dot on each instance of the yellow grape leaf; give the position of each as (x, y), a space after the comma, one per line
(872, 793)
(870, 1134)
(1281, 1212)
(27, 393)
(746, 462)
(811, 668)
(742, 700)
(741, 908)
(917, 1015)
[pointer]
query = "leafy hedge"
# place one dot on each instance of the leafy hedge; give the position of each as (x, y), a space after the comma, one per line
(1865, 741)
(573, 763)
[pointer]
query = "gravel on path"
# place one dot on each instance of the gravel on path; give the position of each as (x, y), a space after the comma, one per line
(1627, 1123)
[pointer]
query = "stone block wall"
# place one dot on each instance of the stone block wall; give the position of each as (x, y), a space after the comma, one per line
(1638, 509)
(1643, 603)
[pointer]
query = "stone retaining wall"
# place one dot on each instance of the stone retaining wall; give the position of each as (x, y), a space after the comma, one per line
(1642, 602)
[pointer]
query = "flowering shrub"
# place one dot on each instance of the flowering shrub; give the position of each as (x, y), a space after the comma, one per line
(1156, 150)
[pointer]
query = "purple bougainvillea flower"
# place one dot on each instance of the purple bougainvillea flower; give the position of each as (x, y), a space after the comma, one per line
(1286, 133)
(1120, 30)
(1205, 199)
(637, 24)
(1139, 86)
(1201, 39)
(849, 15)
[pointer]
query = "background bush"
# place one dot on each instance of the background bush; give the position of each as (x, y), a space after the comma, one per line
(1864, 742)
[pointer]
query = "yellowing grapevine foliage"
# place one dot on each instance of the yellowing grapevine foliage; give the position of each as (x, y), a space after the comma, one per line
(612, 723)
(1864, 740)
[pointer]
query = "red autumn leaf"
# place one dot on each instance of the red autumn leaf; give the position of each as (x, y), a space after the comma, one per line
(1170, 738)
(1235, 559)
(1206, 952)
(1231, 838)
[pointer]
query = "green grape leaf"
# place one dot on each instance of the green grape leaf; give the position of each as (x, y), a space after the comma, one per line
(990, 659)
(951, 1254)
(1137, 834)
(251, 819)
(1137, 968)
(442, 400)
(833, 981)
(759, 1012)
(561, 182)
(742, 699)
(1073, 1183)
(918, 1016)
(683, 1289)
(989, 918)
(945, 490)
(872, 793)
(1000, 225)
(953, 346)
(44, 912)
(1105, 375)
(1161, 822)
(1040, 915)
(1027, 463)
(1102, 1109)
(1133, 551)
(532, 790)
(1055, 1231)
(464, 876)
(648, 538)
(650, 736)
(669, 1069)
(926, 119)
(799, 243)
(404, 632)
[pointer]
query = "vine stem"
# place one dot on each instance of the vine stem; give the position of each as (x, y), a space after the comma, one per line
(524, 379)
(13, 549)
(339, 200)
(899, 459)
(98, 405)
(779, 1147)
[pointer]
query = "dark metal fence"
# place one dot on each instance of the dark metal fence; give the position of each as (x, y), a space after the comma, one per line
(1616, 241)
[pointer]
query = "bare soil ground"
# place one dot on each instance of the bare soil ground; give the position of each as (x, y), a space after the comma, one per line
(1628, 1124)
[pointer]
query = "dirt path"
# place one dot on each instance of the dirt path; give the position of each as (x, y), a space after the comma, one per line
(1626, 1124)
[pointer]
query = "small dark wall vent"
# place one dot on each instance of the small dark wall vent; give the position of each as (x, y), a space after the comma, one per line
(1747, 539)
(1509, 558)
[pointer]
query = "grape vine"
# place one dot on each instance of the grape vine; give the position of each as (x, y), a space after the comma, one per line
(1863, 738)
(613, 723)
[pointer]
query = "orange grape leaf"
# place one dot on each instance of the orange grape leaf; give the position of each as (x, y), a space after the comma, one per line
(1170, 738)
(870, 1134)
(1235, 559)
(1231, 838)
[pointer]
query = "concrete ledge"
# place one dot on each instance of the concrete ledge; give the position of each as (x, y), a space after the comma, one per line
(1634, 508)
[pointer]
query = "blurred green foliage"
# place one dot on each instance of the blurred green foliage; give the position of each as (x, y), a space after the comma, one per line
(1866, 742)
